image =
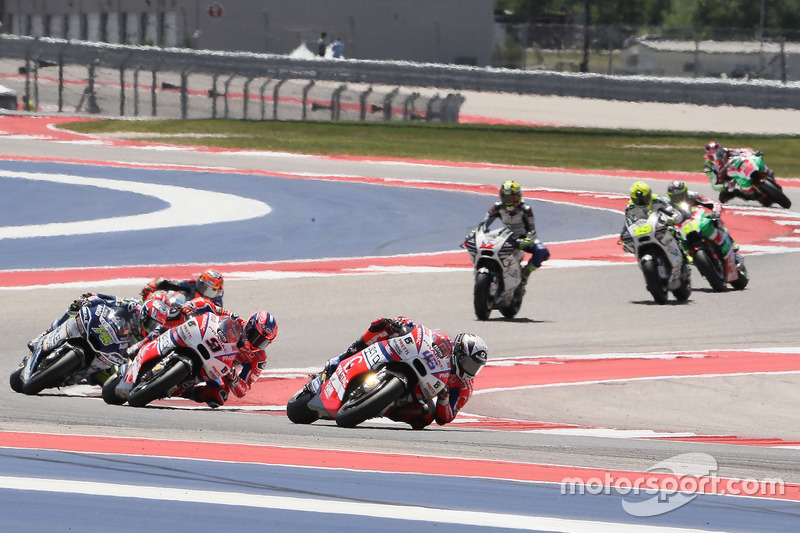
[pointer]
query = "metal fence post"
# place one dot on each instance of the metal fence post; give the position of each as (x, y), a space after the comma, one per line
(136, 91)
(408, 106)
(122, 84)
(275, 99)
(153, 85)
(306, 88)
(387, 103)
(362, 99)
(246, 97)
(336, 102)
(213, 95)
(184, 94)
(261, 93)
(225, 96)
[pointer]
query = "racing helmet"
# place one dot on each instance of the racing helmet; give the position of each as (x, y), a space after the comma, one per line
(209, 284)
(261, 329)
(442, 345)
(678, 192)
(641, 194)
(711, 150)
(511, 195)
(469, 355)
(152, 314)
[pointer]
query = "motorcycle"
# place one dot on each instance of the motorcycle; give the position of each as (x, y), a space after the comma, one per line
(203, 348)
(85, 347)
(652, 240)
(746, 171)
(498, 274)
(394, 372)
(718, 266)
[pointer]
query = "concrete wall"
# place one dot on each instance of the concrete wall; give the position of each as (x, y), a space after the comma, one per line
(438, 31)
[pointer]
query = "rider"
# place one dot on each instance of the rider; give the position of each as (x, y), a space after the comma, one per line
(256, 333)
(715, 167)
(642, 202)
(146, 319)
(208, 285)
(679, 194)
(517, 215)
(468, 354)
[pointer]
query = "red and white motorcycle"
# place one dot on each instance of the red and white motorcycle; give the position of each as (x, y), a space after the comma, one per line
(201, 349)
(389, 373)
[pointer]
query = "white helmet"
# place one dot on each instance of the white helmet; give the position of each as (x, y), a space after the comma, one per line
(469, 355)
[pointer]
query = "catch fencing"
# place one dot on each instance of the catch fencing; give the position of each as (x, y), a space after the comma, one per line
(98, 78)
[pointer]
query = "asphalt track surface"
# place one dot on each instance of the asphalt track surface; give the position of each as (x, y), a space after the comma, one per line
(714, 377)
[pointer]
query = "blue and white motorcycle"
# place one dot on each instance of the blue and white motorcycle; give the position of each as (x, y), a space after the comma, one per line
(84, 348)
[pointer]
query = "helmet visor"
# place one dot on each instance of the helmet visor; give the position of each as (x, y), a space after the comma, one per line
(470, 367)
(257, 340)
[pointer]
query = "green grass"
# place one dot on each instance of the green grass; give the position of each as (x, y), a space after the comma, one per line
(514, 145)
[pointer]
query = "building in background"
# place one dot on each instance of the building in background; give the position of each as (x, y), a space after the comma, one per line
(437, 31)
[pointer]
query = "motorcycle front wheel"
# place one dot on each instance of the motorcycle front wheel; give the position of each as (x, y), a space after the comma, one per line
(110, 395)
(52, 372)
(297, 408)
(367, 401)
(483, 301)
(775, 194)
(157, 382)
(742, 281)
(15, 380)
(710, 269)
(655, 285)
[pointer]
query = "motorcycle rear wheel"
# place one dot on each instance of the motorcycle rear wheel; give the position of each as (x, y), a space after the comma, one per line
(364, 404)
(297, 408)
(157, 384)
(655, 285)
(706, 267)
(54, 374)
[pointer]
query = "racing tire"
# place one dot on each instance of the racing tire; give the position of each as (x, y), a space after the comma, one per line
(741, 282)
(774, 193)
(367, 402)
(15, 380)
(54, 373)
(297, 408)
(705, 265)
(158, 381)
(482, 300)
(656, 287)
(110, 395)
(683, 292)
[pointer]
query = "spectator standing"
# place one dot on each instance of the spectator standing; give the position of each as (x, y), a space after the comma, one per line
(337, 47)
(322, 44)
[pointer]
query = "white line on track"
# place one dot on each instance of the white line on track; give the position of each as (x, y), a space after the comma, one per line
(316, 505)
(194, 207)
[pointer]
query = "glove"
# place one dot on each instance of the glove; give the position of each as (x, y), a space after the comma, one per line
(188, 309)
(715, 215)
(150, 288)
(443, 397)
(524, 243)
(80, 302)
(238, 386)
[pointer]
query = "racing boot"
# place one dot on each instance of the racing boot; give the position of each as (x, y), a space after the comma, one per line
(526, 272)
